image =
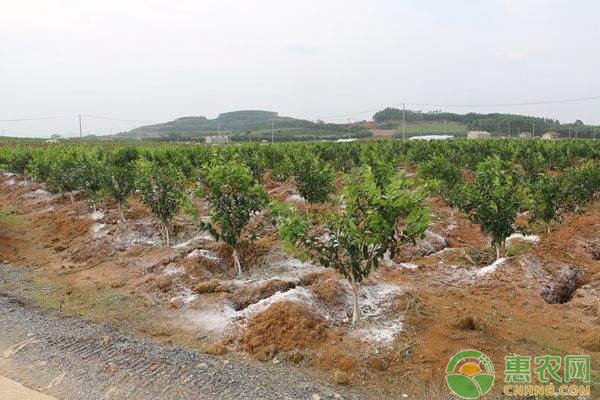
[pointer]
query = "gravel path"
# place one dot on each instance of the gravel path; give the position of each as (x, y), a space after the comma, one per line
(74, 359)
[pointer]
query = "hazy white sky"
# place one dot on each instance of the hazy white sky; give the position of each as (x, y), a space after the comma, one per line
(155, 60)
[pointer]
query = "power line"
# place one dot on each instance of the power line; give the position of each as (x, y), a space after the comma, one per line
(118, 119)
(37, 118)
(533, 103)
(283, 119)
(573, 100)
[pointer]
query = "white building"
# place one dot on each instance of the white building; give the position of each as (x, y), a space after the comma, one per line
(479, 135)
(551, 135)
(222, 139)
(432, 137)
(345, 140)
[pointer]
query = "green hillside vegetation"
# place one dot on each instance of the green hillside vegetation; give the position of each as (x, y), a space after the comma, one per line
(432, 128)
(496, 123)
(243, 125)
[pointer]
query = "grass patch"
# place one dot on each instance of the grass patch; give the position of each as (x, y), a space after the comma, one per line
(9, 217)
(551, 348)
(106, 304)
(518, 248)
(432, 127)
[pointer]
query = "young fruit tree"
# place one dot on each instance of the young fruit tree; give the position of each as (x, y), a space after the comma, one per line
(314, 179)
(163, 191)
(370, 222)
(91, 177)
(120, 176)
(492, 199)
(65, 172)
(443, 175)
(546, 196)
(234, 197)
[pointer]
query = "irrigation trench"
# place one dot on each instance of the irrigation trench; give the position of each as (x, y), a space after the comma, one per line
(70, 358)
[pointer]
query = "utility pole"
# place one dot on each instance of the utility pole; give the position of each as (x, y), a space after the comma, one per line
(403, 130)
(533, 133)
(272, 130)
(569, 133)
(80, 131)
(348, 128)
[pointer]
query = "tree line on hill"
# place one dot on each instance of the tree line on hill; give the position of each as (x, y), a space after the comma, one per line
(494, 122)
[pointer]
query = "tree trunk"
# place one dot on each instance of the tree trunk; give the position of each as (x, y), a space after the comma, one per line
(548, 228)
(71, 196)
(121, 213)
(167, 235)
(356, 310)
(236, 261)
(497, 251)
(94, 206)
(164, 230)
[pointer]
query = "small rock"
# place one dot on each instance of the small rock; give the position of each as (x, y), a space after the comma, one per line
(202, 365)
(296, 358)
(276, 360)
(315, 397)
(111, 367)
(164, 282)
(266, 354)
(177, 302)
(225, 362)
(340, 377)
(216, 349)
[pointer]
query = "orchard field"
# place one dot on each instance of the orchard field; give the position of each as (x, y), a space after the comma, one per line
(370, 262)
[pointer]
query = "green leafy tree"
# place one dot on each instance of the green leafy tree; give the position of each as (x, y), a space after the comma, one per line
(546, 197)
(357, 237)
(234, 197)
(91, 177)
(383, 169)
(444, 177)
(314, 179)
(65, 174)
(162, 188)
(282, 170)
(17, 159)
(493, 199)
(580, 185)
(39, 167)
(120, 176)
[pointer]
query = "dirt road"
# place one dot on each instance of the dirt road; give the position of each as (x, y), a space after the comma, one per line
(12, 390)
(69, 358)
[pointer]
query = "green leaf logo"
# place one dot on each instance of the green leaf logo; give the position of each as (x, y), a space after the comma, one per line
(470, 374)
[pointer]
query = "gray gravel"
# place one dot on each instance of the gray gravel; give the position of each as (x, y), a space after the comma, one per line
(93, 361)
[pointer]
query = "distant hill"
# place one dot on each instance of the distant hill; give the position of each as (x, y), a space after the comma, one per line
(242, 125)
(498, 123)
